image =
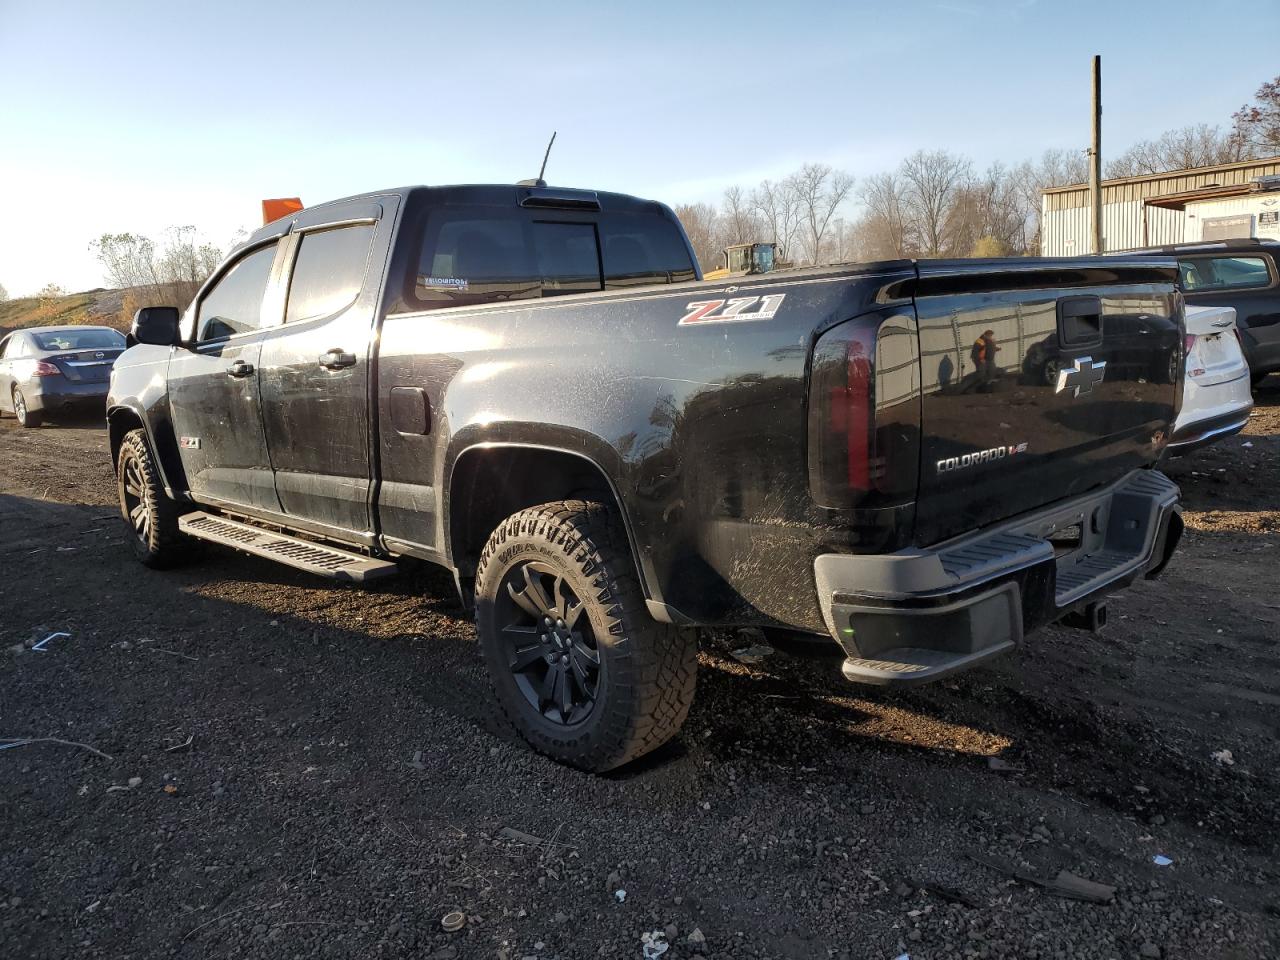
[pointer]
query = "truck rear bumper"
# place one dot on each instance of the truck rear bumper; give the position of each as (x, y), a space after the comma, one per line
(921, 614)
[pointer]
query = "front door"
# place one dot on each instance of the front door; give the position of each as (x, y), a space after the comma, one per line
(213, 389)
(314, 369)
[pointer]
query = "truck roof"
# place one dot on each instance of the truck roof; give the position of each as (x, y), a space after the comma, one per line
(488, 194)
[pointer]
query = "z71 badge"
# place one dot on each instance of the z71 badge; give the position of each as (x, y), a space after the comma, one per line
(731, 310)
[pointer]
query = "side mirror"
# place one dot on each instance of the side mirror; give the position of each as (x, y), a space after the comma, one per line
(155, 325)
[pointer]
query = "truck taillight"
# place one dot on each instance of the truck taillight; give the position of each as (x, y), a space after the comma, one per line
(45, 369)
(864, 413)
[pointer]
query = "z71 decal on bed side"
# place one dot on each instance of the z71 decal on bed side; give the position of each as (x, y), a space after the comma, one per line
(728, 311)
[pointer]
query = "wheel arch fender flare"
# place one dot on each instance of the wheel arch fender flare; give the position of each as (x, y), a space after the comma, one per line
(591, 451)
(126, 415)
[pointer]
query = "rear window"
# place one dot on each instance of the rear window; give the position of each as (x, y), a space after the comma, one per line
(1223, 273)
(94, 339)
(488, 255)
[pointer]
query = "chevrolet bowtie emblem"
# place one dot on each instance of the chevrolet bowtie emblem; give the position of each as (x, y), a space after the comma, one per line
(1083, 375)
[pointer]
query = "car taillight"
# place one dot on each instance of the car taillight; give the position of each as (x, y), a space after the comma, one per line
(45, 369)
(864, 413)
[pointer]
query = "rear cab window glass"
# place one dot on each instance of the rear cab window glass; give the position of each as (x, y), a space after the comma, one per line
(1224, 273)
(328, 271)
(90, 339)
(641, 250)
(234, 305)
(490, 255)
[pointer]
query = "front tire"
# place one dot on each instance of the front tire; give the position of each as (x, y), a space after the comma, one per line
(578, 666)
(150, 516)
(27, 417)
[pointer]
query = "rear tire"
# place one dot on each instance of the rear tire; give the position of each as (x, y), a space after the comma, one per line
(1257, 379)
(27, 417)
(150, 516)
(578, 666)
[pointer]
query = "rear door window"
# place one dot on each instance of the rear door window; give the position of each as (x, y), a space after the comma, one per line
(328, 271)
(234, 305)
(1201, 274)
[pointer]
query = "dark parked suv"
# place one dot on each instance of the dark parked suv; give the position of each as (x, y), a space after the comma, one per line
(44, 370)
(1244, 274)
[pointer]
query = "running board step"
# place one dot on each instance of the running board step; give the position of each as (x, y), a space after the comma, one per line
(327, 561)
(904, 666)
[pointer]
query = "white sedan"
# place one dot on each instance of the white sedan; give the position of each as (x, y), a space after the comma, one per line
(1216, 398)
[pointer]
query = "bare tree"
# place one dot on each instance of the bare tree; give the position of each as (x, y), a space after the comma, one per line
(1200, 145)
(128, 260)
(1055, 168)
(987, 208)
(779, 213)
(4, 294)
(933, 180)
(739, 220)
(170, 275)
(702, 225)
(1257, 124)
(882, 231)
(819, 191)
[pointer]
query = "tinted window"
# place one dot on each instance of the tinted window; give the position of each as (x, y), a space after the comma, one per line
(328, 272)
(1223, 273)
(482, 256)
(475, 259)
(234, 305)
(89, 339)
(640, 250)
(568, 257)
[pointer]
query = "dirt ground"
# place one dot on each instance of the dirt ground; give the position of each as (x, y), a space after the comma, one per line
(318, 772)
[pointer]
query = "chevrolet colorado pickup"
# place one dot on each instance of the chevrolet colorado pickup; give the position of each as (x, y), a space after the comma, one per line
(534, 388)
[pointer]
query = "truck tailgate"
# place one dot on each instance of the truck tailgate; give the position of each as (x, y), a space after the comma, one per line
(1040, 380)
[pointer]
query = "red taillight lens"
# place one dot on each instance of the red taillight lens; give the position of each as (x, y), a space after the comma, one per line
(45, 369)
(1188, 341)
(864, 414)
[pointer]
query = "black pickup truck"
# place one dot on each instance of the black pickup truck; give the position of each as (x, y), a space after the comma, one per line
(534, 388)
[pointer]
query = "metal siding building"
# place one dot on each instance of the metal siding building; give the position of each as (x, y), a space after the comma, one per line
(1129, 218)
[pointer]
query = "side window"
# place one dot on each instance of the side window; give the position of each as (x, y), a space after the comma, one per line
(15, 346)
(8, 348)
(234, 305)
(643, 250)
(328, 272)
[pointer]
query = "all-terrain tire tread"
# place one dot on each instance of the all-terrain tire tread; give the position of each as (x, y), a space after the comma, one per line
(654, 665)
(167, 545)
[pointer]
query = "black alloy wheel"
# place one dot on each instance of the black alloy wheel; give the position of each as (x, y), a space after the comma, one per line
(133, 498)
(552, 651)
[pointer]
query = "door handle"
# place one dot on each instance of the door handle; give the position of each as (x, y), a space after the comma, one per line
(240, 368)
(336, 359)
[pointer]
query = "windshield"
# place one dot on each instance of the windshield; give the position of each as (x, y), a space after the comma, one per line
(90, 338)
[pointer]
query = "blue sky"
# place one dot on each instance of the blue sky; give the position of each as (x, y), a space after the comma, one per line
(134, 116)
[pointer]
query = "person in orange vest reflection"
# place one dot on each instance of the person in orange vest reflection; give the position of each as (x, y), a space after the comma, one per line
(983, 354)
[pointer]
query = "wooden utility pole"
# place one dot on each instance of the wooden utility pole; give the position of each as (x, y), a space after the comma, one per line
(1095, 157)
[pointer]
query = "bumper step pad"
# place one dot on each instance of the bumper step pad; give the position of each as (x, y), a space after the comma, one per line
(321, 559)
(907, 665)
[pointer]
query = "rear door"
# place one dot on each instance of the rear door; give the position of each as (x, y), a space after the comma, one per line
(315, 367)
(213, 387)
(1071, 395)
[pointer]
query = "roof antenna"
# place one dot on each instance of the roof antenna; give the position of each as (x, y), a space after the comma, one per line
(539, 182)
